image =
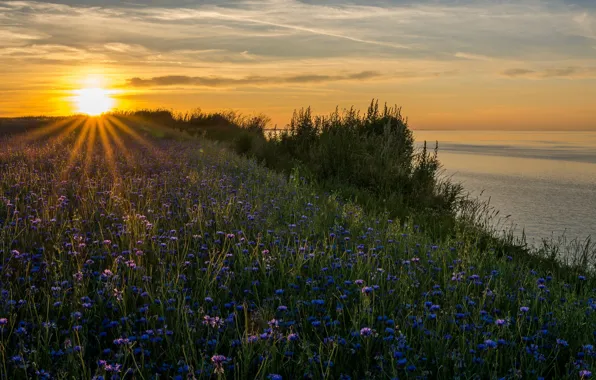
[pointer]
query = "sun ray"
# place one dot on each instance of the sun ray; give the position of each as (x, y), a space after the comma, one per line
(93, 126)
(64, 124)
(110, 129)
(67, 126)
(66, 131)
(153, 125)
(107, 147)
(84, 129)
(137, 137)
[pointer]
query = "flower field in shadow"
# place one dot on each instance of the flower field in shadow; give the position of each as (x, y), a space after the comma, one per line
(128, 256)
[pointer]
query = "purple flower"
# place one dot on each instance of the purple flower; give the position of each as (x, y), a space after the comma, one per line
(3, 321)
(214, 322)
(366, 332)
(585, 374)
(218, 361)
(524, 309)
(500, 322)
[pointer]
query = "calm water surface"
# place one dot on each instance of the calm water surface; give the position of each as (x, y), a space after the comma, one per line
(546, 181)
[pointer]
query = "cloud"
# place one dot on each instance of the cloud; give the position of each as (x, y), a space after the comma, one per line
(217, 81)
(570, 72)
(291, 29)
(517, 72)
(20, 36)
(51, 53)
(124, 48)
(474, 57)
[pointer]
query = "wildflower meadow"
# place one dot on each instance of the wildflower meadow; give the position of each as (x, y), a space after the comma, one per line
(127, 255)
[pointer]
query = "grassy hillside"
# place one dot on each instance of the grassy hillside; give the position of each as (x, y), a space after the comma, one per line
(129, 255)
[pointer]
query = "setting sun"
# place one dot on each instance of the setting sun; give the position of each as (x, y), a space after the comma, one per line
(93, 101)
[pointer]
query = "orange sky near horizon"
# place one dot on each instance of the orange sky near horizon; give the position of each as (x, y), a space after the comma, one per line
(453, 65)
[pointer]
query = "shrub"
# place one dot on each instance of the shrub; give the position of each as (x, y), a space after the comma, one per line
(370, 156)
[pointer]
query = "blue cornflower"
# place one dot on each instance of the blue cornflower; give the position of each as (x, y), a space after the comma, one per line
(367, 290)
(562, 342)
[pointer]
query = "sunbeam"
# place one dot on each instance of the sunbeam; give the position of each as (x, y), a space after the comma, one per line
(93, 126)
(137, 137)
(110, 129)
(107, 147)
(74, 152)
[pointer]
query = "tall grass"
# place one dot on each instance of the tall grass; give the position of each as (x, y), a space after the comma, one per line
(161, 258)
(370, 158)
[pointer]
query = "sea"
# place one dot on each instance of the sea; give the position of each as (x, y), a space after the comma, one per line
(542, 183)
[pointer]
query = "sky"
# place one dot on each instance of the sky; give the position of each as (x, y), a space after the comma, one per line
(450, 64)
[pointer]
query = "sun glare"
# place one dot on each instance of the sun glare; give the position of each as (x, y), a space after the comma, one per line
(93, 101)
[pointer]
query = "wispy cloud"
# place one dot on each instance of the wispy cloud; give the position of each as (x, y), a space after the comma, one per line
(282, 29)
(51, 52)
(215, 81)
(517, 72)
(474, 57)
(273, 47)
(552, 72)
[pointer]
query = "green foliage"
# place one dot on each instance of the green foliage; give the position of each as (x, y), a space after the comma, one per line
(369, 157)
(160, 258)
